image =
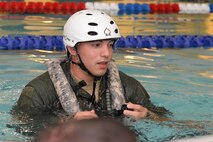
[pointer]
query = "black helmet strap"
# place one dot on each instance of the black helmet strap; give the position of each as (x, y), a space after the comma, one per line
(82, 66)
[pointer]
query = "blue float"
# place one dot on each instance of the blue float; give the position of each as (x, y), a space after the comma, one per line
(211, 8)
(32, 42)
(145, 9)
(137, 8)
(121, 8)
(55, 43)
(131, 8)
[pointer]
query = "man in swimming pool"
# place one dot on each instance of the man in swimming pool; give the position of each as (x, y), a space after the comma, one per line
(87, 84)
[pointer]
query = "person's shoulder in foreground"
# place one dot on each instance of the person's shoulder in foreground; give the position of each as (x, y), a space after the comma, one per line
(88, 130)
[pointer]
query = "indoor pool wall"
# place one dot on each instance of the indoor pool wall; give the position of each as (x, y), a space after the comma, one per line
(179, 79)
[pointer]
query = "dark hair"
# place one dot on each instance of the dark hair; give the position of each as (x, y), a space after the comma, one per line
(88, 130)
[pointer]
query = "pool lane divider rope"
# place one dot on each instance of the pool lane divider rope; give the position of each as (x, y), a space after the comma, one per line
(55, 43)
(21, 7)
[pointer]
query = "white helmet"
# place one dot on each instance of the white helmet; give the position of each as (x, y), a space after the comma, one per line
(89, 25)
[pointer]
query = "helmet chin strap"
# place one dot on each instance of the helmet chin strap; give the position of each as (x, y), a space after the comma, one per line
(83, 67)
(81, 64)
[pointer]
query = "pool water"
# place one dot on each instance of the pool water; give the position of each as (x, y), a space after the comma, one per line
(179, 79)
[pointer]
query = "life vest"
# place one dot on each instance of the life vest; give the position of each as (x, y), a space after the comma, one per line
(66, 94)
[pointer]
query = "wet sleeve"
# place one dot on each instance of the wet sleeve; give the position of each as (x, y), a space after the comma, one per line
(137, 94)
(30, 101)
(30, 114)
(133, 90)
(140, 96)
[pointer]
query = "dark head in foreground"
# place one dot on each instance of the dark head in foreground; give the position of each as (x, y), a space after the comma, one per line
(89, 130)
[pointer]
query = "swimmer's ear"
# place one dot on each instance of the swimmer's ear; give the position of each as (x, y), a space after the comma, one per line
(71, 50)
